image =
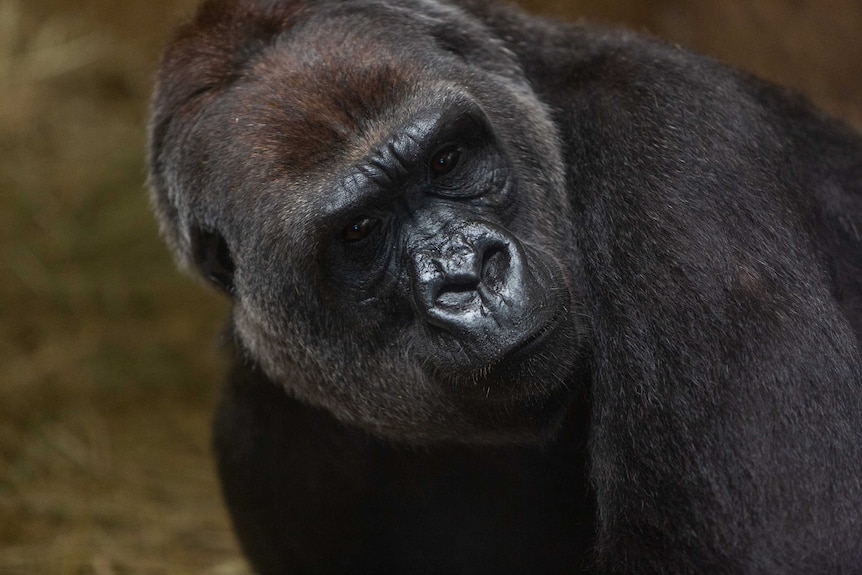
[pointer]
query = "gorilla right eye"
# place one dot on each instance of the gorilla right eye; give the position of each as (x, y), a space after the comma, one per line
(358, 230)
(445, 161)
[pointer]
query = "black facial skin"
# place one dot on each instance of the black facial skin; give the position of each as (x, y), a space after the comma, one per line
(514, 296)
(425, 234)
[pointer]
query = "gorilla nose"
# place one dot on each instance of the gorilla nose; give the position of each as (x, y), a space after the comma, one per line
(460, 281)
(476, 270)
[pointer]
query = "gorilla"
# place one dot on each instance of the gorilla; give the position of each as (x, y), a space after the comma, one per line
(515, 296)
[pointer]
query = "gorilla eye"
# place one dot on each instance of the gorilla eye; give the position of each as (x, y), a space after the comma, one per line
(445, 161)
(358, 229)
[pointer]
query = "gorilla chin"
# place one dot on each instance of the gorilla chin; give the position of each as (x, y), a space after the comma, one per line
(524, 398)
(538, 364)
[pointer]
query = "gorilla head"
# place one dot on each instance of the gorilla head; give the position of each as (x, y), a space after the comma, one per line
(387, 213)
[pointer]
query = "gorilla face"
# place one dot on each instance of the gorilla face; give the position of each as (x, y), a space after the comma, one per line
(391, 237)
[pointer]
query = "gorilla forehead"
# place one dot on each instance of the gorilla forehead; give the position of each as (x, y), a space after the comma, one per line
(308, 99)
(311, 112)
(322, 175)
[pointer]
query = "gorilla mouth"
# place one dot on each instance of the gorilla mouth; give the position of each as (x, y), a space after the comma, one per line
(509, 364)
(536, 339)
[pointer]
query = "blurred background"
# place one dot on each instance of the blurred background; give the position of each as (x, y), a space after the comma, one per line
(109, 368)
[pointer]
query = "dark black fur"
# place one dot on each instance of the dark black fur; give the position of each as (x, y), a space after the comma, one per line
(621, 335)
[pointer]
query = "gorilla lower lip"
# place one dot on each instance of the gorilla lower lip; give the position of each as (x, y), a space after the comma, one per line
(535, 340)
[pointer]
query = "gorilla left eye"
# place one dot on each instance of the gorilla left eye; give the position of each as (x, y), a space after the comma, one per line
(445, 161)
(358, 229)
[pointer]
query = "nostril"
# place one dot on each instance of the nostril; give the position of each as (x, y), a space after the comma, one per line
(460, 288)
(495, 267)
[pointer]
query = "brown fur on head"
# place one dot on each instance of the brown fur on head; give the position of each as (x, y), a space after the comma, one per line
(206, 56)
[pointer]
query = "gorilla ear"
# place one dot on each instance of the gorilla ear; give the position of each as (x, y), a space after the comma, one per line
(212, 256)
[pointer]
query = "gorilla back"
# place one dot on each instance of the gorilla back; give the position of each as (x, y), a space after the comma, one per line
(513, 296)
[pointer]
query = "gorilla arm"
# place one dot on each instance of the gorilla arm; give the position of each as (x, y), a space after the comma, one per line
(725, 431)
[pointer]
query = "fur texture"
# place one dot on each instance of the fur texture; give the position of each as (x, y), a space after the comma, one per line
(620, 335)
